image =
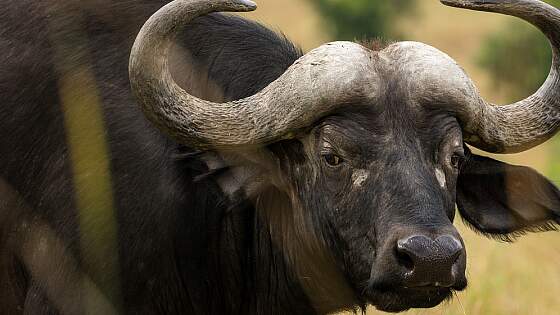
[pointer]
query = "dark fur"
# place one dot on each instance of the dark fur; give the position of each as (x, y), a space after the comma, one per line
(296, 238)
(194, 258)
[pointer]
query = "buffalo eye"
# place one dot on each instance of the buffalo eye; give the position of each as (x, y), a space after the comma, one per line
(456, 159)
(333, 159)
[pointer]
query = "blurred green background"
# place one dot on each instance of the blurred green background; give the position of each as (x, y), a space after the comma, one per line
(508, 60)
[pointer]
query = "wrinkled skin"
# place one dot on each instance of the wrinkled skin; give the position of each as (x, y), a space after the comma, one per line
(374, 195)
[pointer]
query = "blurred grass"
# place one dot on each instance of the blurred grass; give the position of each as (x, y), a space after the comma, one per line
(522, 278)
(296, 18)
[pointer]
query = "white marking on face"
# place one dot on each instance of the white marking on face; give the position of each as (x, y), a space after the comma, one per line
(359, 177)
(440, 176)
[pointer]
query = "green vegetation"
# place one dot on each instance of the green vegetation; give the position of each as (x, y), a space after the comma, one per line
(361, 19)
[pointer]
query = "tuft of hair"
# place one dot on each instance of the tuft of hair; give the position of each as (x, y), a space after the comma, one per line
(512, 236)
(375, 44)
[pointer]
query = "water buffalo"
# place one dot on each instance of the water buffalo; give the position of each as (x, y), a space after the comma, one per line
(220, 170)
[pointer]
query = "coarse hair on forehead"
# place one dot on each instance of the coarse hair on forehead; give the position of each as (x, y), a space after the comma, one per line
(375, 44)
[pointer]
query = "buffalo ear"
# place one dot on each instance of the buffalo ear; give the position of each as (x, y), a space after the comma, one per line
(503, 200)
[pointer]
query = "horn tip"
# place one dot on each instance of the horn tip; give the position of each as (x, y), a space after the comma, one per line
(248, 4)
(470, 3)
(453, 3)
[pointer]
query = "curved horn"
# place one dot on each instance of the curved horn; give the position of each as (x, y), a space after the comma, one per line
(527, 123)
(318, 83)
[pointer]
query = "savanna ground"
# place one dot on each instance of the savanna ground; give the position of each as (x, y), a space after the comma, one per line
(515, 279)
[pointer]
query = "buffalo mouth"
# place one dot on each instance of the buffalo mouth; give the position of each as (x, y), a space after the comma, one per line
(403, 298)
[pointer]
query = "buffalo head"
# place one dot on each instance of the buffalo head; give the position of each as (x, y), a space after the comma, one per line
(367, 147)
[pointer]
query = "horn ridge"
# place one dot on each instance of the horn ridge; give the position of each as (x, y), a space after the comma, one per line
(320, 82)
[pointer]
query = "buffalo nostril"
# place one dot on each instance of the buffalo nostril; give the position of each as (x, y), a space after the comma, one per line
(411, 250)
(428, 261)
(404, 258)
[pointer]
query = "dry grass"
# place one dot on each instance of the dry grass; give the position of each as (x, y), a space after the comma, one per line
(295, 18)
(515, 279)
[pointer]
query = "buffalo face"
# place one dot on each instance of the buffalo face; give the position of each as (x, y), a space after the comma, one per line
(379, 186)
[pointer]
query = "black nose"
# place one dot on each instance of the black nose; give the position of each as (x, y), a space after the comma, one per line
(429, 262)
